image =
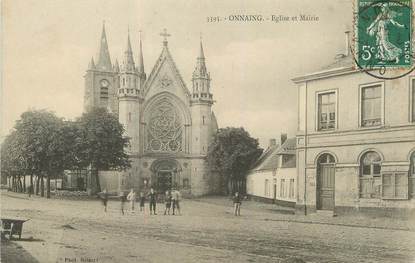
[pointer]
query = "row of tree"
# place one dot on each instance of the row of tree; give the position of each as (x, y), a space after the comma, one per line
(42, 146)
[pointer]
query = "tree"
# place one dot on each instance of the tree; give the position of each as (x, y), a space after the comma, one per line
(101, 145)
(12, 164)
(37, 138)
(232, 153)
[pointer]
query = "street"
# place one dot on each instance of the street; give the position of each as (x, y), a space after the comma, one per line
(207, 231)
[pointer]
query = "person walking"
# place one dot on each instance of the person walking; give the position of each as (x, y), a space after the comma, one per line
(123, 199)
(153, 199)
(176, 201)
(104, 198)
(167, 201)
(30, 190)
(131, 197)
(237, 204)
(142, 201)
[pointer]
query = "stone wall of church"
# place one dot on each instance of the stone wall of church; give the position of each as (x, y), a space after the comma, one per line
(202, 181)
(201, 128)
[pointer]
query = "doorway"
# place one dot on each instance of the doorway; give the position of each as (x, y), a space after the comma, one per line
(325, 182)
(164, 180)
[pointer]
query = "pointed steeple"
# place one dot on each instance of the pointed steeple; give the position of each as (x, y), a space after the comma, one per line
(200, 69)
(128, 63)
(91, 65)
(201, 53)
(140, 62)
(104, 60)
(201, 79)
(116, 66)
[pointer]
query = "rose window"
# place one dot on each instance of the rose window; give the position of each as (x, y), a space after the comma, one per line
(164, 129)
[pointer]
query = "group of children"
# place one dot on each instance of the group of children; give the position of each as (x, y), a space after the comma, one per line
(171, 200)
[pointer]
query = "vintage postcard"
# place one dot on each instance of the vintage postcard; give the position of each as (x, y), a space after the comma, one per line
(207, 131)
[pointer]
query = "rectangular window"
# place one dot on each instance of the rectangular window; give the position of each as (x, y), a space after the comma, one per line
(274, 189)
(371, 106)
(282, 188)
(291, 190)
(395, 185)
(327, 111)
(266, 187)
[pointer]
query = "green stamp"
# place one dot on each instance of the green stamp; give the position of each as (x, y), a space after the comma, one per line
(384, 34)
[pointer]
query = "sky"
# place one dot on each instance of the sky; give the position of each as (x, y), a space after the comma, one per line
(47, 45)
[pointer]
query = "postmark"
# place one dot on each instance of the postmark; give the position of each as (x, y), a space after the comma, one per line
(383, 45)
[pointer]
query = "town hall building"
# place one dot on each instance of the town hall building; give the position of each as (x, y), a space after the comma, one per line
(169, 126)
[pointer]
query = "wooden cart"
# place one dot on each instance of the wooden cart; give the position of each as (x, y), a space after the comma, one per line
(12, 226)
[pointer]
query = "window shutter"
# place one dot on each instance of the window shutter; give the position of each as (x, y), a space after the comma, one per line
(395, 185)
(401, 185)
(387, 186)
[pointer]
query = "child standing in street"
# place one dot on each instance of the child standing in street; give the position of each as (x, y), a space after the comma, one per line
(168, 203)
(142, 201)
(104, 198)
(153, 199)
(122, 200)
(176, 201)
(131, 197)
(237, 204)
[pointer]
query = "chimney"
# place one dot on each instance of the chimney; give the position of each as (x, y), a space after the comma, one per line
(283, 138)
(272, 142)
(347, 34)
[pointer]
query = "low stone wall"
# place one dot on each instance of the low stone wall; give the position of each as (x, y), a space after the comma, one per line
(272, 201)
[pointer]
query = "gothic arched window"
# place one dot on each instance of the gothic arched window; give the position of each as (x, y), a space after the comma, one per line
(165, 129)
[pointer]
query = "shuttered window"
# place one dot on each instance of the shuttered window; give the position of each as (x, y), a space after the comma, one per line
(395, 185)
(371, 106)
(327, 111)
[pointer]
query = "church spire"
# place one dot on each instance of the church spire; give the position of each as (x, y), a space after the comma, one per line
(91, 65)
(104, 60)
(128, 63)
(200, 69)
(201, 53)
(140, 63)
(116, 66)
(201, 79)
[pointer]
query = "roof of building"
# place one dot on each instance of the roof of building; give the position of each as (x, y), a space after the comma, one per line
(342, 64)
(340, 61)
(288, 147)
(269, 160)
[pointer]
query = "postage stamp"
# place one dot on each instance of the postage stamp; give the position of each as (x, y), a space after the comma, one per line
(384, 34)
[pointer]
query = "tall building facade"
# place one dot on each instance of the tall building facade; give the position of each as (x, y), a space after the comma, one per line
(169, 126)
(355, 141)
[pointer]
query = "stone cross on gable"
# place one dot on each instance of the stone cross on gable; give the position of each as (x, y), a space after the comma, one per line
(165, 35)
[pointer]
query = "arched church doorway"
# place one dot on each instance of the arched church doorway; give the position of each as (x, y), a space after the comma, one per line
(165, 174)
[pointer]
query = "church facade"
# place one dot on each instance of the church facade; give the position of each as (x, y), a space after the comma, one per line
(170, 127)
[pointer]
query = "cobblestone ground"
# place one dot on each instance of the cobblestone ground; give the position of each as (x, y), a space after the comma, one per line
(79, 231)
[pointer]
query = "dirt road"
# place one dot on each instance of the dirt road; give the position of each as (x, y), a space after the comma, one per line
(79, 231)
